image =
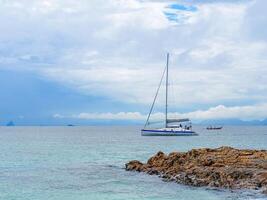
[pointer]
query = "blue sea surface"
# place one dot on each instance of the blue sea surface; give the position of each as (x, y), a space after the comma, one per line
(87, 163)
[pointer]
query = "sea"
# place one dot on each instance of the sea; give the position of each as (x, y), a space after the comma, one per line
(87, 163)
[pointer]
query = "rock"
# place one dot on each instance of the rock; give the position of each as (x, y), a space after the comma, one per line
(224, 167)
(134, 165)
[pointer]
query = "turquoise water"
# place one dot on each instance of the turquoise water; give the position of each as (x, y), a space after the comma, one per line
(84, 163)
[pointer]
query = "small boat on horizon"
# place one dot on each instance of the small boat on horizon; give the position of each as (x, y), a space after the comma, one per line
(173, 127)
(214, 127)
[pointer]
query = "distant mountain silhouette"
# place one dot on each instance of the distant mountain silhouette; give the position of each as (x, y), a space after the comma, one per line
(234, 122)
(11, 123)
(265, 122)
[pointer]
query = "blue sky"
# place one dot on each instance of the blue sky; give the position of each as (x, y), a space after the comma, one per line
(80, 61)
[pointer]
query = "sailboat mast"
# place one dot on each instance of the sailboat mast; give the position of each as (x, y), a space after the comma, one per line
(167, 82)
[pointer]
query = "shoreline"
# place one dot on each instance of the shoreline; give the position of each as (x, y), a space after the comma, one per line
(223, 167)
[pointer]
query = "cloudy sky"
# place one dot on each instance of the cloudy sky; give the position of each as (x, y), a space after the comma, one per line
(103, 59)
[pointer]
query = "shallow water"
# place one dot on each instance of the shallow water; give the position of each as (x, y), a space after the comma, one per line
(43, 163)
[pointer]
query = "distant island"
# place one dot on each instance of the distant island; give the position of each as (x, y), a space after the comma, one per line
(208, 122)
(11, 123)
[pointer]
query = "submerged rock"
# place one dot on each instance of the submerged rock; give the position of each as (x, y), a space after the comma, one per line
(224, 167)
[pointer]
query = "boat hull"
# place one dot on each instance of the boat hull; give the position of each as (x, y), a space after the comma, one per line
(151, 132)
(216, 128)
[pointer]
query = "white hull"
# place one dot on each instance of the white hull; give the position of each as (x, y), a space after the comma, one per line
(162, 132)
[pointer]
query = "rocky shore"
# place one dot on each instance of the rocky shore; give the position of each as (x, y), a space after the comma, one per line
(224, 167)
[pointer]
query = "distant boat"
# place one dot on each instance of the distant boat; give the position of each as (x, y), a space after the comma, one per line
(173, 127)
(214, 127)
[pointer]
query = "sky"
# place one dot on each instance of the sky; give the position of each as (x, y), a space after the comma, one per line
(83, 61)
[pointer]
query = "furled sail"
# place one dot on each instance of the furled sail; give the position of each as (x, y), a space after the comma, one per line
(177, 120)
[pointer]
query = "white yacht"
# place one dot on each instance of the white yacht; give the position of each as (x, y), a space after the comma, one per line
(173, 127)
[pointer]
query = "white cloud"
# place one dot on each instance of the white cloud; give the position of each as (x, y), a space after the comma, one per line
(237, 112)
(116, 48)
(117, 116)
(105, 116)
(218, 112)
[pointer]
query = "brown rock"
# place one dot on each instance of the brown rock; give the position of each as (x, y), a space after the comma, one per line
(134, 165)
(224, 167)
